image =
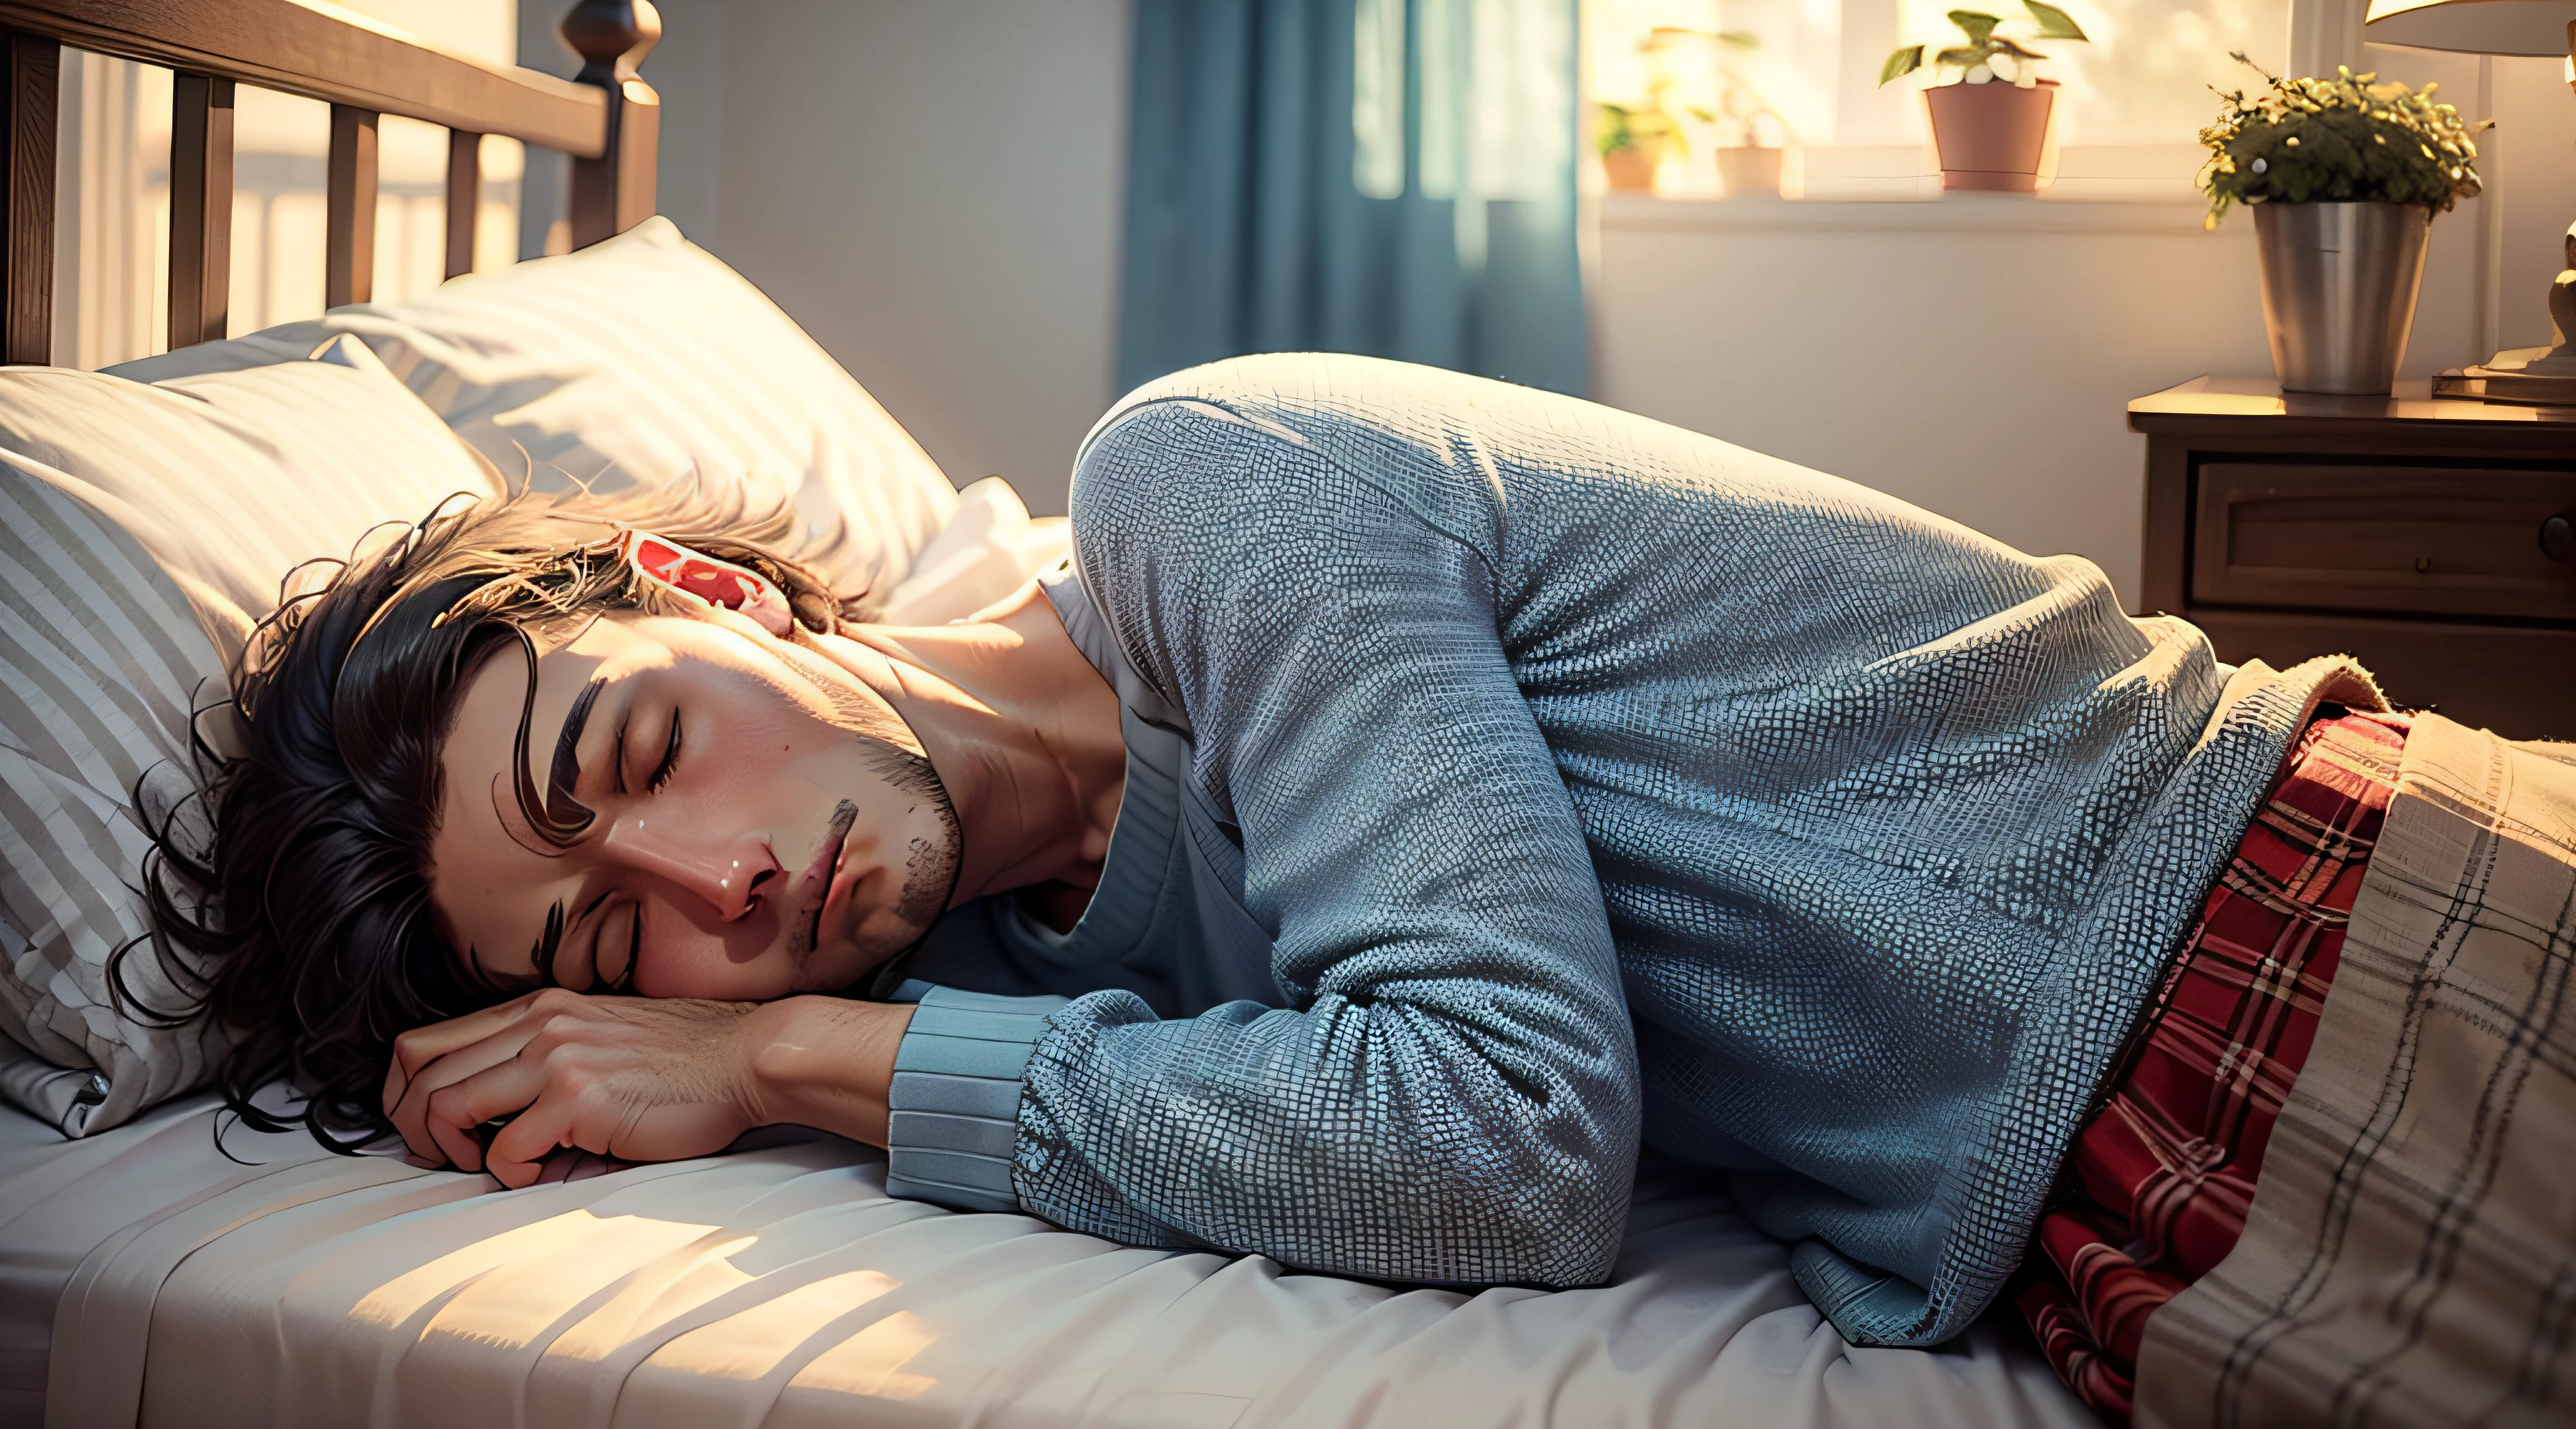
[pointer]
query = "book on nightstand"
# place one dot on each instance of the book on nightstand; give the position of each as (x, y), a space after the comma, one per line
(2507, 378)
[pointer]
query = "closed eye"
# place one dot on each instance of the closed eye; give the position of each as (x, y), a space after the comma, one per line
(670, 755)
(623, 983)
(607, 940)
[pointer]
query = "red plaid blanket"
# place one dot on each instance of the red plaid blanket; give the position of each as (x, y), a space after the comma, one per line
(2158, 1182)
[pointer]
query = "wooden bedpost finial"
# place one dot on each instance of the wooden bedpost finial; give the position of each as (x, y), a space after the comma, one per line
(614, 192)
(612, 37)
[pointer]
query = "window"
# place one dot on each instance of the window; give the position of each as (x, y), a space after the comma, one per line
(1802, 76)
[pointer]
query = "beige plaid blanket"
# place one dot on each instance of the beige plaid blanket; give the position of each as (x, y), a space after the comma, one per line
(2410, 1258)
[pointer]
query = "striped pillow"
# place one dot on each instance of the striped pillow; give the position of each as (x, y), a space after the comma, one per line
(143, 531)
(641, 361)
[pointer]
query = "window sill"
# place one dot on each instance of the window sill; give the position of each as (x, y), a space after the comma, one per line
(2048, 212)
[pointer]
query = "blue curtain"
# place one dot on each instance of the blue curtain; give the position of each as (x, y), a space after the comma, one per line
(1387, 177)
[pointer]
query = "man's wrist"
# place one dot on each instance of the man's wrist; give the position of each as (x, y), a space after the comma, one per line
(827, 1062)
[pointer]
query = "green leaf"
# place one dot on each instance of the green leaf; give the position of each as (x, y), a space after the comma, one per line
(1976, 24)
(1964, 56)
(1900, 64)
(2054, 24)
(1612, 131)
(1736, 39)
(2017, 51)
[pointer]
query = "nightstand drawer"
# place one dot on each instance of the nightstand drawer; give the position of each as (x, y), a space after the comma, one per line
(2519, 681)
(2415, 540)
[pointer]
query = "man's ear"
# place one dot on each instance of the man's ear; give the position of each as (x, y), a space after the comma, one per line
(708, 582)
(697, 607)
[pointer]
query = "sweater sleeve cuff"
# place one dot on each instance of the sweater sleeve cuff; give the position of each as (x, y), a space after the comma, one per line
(954, 1107)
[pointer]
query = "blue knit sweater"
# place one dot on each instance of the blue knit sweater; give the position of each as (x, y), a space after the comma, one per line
(1511, 777)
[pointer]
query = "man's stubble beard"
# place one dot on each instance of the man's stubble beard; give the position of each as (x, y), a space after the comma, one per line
(931, 867)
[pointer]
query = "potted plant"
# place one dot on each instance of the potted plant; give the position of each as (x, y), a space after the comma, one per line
(2344, 175)
(1990, 109)
(1749, 133)
(1632, 139)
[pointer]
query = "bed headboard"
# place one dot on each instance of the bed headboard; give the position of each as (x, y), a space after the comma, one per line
(605, 118)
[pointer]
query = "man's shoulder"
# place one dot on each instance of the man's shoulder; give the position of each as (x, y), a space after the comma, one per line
(1291, 448)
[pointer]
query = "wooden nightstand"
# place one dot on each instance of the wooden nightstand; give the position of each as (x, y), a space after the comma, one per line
(2430, 539)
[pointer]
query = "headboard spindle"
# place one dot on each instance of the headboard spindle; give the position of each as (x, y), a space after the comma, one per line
(464, 198)
(201, 208)
(31, 68)
(349, 222)
(614, 192)
(609, 122)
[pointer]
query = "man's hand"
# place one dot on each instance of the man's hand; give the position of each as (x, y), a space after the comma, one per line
(640, 1079)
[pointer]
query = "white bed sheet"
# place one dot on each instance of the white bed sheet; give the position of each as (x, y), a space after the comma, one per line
(780, 1286)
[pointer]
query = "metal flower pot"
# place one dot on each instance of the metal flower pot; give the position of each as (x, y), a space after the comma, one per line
(2339, 286)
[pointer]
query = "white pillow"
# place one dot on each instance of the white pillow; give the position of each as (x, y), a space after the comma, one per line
(637, 361)
(143, 530)
(988, 550)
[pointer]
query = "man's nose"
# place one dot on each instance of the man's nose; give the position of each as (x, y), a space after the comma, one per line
(730, 872)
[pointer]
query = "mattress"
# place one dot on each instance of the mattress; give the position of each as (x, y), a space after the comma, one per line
(778, 1285)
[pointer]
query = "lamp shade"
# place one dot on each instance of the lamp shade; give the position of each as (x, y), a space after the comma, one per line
(2478, 27)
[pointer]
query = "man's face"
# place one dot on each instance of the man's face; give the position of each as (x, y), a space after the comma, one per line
(753, 832)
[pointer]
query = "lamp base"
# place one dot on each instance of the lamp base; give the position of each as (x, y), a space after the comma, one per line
(2524, 376)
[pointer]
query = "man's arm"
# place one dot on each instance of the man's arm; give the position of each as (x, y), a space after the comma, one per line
(827, 1062)
(641, 1079)
(1452, 1093)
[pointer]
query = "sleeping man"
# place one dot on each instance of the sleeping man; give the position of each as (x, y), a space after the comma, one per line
(1415, 794)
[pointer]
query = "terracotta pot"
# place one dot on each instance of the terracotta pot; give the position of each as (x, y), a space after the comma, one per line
(1991, 135)
(1749, 172)
(1632, 167)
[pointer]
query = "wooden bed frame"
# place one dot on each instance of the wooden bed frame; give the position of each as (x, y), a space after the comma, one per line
(606, 118)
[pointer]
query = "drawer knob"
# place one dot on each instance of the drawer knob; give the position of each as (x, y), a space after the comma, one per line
(2558, 538)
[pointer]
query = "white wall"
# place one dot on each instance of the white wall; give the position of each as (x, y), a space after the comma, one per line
(932, 189)
(1979, 373)
(1977, 357)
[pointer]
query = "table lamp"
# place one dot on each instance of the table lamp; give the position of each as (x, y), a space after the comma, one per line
(2541, 376)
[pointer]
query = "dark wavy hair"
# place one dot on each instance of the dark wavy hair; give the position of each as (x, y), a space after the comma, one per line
(296, 913)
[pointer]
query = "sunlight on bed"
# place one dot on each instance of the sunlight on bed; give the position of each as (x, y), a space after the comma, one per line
(512, 1286)
(751, 1344)
(871, 1362)
(510, 1290)
(654, 1296)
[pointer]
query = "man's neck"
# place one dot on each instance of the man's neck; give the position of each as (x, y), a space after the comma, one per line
(1023, 732)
